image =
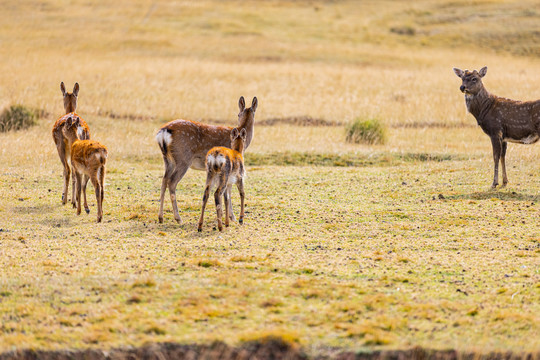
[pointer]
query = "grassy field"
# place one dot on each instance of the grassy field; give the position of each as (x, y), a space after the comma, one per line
(344, 246)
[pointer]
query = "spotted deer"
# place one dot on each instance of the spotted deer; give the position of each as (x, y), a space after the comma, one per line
(70, 104)
(185, 143)
(225, 167)
(88, 158)
(503, 120)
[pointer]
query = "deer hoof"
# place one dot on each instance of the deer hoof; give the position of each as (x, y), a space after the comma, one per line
(199, 230)
(241, 221)
(99, 219)
(160, 220)
(178, 220)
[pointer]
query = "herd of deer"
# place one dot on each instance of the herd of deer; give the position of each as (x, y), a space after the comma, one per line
(219, 150)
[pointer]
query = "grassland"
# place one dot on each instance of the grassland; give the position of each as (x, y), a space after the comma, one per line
(349, 246)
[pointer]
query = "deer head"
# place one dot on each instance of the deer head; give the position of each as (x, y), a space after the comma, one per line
(238, 139)
(70, 129)
(471, 81)
(70, 99)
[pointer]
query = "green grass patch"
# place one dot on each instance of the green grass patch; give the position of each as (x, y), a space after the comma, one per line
(18, 117)
(366, 131)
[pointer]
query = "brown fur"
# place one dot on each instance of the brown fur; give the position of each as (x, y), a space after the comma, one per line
(184, 144)
(70, 105)
(88, 158)
(224, 167)
(503, 120)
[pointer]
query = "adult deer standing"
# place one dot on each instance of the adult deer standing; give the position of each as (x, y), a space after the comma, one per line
(185, 143)
(88, 158)
(502, 119)
(70, 104)
(225, 167)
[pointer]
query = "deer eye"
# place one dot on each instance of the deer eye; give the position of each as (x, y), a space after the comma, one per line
(474, 80)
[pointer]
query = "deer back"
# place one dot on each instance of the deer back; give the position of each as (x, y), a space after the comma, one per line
(88, 154)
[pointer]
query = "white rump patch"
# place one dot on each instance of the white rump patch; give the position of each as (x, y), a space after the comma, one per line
(164, 137)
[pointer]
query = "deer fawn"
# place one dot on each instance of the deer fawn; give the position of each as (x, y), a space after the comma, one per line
(185, 143)
(70, 104)
(501, 119)
(88, 158)
(225, 167)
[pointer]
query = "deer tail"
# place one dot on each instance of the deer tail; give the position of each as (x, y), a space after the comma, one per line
(164, 139)
(215, 162)
(102, 156)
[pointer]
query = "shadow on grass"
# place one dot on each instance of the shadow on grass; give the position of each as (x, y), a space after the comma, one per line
(493, 194)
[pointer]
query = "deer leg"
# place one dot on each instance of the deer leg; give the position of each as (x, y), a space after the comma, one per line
(84, 183)
(503, 163)
(66, 182)
(229, 204)
(102, 182)
(226, 200)
(60, 146)
(240, 185)
(173, 181)
(204, 201)
(73, 202)
(496, 143)
(164, 184)
(217, 196)
(78, 181)
(97, 188)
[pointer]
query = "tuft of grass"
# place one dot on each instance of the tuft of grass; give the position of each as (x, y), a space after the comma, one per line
(366, 131)
(17, 117)
(208, 263)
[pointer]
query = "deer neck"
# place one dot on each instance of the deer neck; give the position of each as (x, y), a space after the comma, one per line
(249, 126)
(479, 104)
(239, 147)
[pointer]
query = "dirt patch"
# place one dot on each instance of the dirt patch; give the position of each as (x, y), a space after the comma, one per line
(260, 350)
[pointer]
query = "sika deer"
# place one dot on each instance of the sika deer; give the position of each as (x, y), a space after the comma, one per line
(225, 167)
(502, 119)
(185, 143)
(88, 158)
(70, 104)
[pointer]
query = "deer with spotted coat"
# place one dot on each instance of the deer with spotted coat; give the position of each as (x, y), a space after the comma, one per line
(503, 120)
(70, 105)
(185, 144)
(88, 158)
(225, 167)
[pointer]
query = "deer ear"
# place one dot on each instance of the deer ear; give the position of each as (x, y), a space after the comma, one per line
(63, 88)
(483, 71)
(458, 72)
(243, 133)
(69, 121)
(77, 121)
(234, 133)
(254, 104)
(76, 89)
(241, 103)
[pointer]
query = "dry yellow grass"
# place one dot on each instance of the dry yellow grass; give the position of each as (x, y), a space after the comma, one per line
(361, 258)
